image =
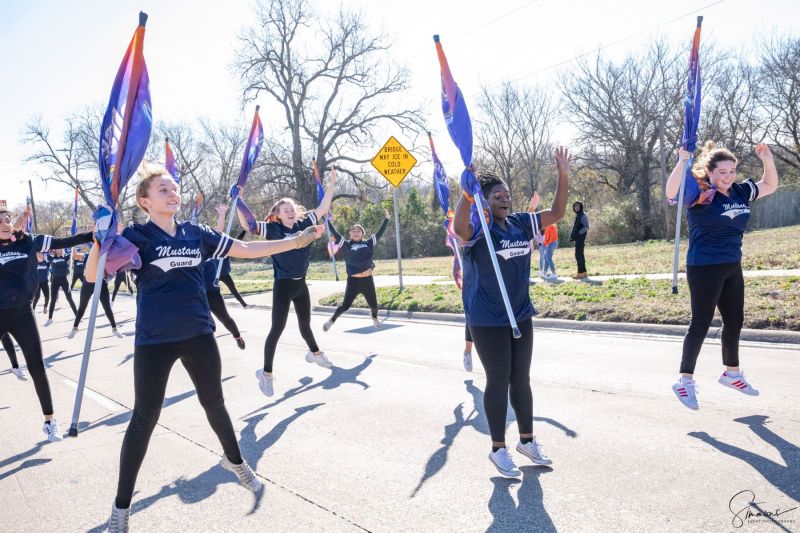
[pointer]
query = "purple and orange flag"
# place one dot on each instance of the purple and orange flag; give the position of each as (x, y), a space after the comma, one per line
(74, 228)
(125, 131)
(254, 142)
(198, 205)
(170, 164)
(318, 181)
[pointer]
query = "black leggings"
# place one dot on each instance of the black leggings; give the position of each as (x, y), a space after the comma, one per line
(77, 275)
(42, 288)
(228, 281)
(20, 323)
(60, 283)
(285, 292)
(507, 363)
(710, 286)
(217, 305)
(122, 277)
(356, 286)
(151, 367)
(87, 291)
(467, 334)
(8, 344)
(580, 244)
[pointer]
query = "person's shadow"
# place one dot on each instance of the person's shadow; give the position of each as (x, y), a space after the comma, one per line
(784, 478)
(476, 420)
(28, 463)
(529, 513)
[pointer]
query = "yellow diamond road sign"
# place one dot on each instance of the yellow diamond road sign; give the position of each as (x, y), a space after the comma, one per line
(394, 162)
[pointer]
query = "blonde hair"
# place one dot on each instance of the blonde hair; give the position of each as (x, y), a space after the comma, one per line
(273, 212)
(148, 173)
(710, 156)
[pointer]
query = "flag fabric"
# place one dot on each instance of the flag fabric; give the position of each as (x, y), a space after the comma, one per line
(439, 179)
(170, 164)
(198, 205)
(254, 142)
(320, 188)
(29, 222)
(252, 225)
(125, 131)
(74, 229)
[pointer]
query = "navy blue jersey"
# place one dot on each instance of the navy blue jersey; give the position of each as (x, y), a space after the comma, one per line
(59, 266)
(226, 266)
(716, 229)
(42, 270)
(171, 303)
(210, 273)
(483, 304)
(18, 262)
(294, 263)
(78, 266)
(358, 254)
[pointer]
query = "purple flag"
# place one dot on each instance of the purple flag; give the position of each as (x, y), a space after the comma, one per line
(74, 228)
(254, 142)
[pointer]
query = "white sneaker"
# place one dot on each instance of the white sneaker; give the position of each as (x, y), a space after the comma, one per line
(738, 383)
(376, 322)
(533, 451)
(502, 460)
(686, 391)
(20, 374)
(49, 321)
(327, 325)
(247, 478)
(320, 359)
(116, 332)
(265, 382)
(51, 430)
(72, 333)
(118, 522)
(468, 361)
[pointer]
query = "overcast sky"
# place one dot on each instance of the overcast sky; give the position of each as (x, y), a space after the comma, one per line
(57, 56)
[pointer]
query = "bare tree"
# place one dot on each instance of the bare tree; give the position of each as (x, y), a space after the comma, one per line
(780, 96)
(334, 94)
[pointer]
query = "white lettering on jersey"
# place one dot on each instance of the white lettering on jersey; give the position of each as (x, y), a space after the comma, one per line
(511, 249)
(734, 210)
(354, 247)
(177, 258)
(7, 257)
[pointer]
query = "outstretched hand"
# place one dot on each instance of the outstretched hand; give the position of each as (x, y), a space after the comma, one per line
(684, 155)
(386, 213)
(309, 235)
(222, 210)
(763, 152)
(562, 159)
(534, 203)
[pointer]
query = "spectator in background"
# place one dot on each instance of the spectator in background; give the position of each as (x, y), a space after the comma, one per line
(579, 230)
(546, 249)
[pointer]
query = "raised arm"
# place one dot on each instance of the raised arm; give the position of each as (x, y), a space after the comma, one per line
(325, 204)
(678, 173)
(334, 232)
(250, 250)
(384, 224)
(461, 223)
(559, 206)
(90, 271)
(769, 180)
(69, 242)
(222, 210)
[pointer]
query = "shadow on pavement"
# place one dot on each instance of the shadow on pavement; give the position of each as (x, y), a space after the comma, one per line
(528, 512)
(366, 330)
(27, 464)
(784, 478)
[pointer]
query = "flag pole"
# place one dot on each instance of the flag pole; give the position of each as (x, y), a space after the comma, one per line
(227, 231)
(676, 253)
(333, 251)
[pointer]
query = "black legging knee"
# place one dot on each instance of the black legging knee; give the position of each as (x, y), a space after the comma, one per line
(228, 281)
(507, 363)
(356, 286)
(151, 368)
(121, 277)
(8, 345)
(75, 277)
(217, 305)
(56, 284)
(44, 289)
(20, 323)
(87, 291)
(714, 286)
(285, 292)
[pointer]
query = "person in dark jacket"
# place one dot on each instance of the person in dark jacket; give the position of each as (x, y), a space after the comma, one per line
(578, 235)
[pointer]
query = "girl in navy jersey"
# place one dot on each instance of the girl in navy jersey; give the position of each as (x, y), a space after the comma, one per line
(173, 322)
(42, 287)
(290, 287)
(17, 259)
(506, 360)
(59, 270)
(358, 260)
(718, 216)
(78, 266)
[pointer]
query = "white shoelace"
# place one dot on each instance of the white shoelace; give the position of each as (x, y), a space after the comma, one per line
(505, 460)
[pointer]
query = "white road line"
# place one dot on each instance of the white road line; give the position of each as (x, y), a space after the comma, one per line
(102, 400)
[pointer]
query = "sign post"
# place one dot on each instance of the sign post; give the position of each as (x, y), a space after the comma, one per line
(394, 163)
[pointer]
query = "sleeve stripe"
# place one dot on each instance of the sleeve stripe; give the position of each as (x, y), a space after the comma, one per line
(47, 240)
(222, 247)
(753, 190)
(261, 228)
(313, 216)
(534, 223)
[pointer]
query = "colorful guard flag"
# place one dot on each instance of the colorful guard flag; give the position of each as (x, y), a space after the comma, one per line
(443, 195)
(29, 222)
(320, 188)
(170, 164)
(74, 229)
(254, 142)
(125, 131)
(198, 205)
(248, 215)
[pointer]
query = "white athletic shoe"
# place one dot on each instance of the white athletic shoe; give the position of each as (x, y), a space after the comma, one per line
(51, 430)
(20, 374)
(502, 460)
(118, 522)
(49, 321)
(265, 382)
(686, 391)
(376, 322)
(468, 361)
(533, 451)
(72, 333)
(116, 332)
(738, 383)
(320, 359)
(247, 478)
(327, 325)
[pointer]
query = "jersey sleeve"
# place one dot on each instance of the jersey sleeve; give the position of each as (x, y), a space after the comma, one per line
(530, 222)
(42, 243)
(68, 242)
(380, 231)
(749, 189)
(307, 221)
(216, 245)
(338, 238)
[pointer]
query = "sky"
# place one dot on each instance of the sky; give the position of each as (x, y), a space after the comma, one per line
(57, 56)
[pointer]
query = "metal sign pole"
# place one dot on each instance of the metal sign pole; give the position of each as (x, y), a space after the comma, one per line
(397, 237)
